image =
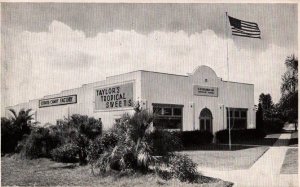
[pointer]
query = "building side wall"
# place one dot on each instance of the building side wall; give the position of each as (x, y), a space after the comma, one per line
(172, 89)
(151, 87)
(85, 102)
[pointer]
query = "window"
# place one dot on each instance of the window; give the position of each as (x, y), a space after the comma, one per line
(168, 116)
(238, 118)
(244, 114)
(236, 114)
(167, 111)
(177, 111)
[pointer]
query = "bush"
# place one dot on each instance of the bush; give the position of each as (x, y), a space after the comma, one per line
(239, 135)
(66, 153)
(183, 168)
(10, 135)
(87, 126)
(165, 142)
(95, 150)
(21, 144)
(273, 125)
(133, 144)
(128, 144)
(40, 143)
(80, 130)
(194, 138)
(109, 139)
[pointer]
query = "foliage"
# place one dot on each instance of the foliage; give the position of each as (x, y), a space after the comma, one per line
(273, 125)
(288, 108)
(132, 150)
(80, 130)
(40, 143)
(110, 139)
(10, 134)
(239, 135)
(194, 138)
(13, 129)
(290, 77)
(22, 120)
(271, 113)
(183, 168)
(265, 100)
(288, 104)
(133, 145)
(259, 118)
(164, 142)
(95, 150)
(65, 153)
(88, 126)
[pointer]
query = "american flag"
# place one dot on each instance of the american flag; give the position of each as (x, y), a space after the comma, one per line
(244, 28)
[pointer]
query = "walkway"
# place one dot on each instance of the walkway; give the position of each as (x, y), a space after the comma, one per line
(265, 172)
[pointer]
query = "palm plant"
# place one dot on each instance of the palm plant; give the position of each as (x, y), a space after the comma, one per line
(80, 130)
(290, 77)
(22, 120)
(133, 150)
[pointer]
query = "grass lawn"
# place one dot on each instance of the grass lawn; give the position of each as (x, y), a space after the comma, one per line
(220, 159)
(290, 163)
(39, 172)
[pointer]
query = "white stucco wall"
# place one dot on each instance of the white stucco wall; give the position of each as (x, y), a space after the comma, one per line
(153, 87)
(174, 89)
(85, 102)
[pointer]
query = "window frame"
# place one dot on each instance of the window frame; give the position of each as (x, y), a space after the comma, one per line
(234, 118)
(160, 115)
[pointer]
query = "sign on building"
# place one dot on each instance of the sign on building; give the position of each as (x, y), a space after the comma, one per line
(64, 100)
(113, 97)
(205, 91)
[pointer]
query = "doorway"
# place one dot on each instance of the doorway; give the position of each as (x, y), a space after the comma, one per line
(205, 120)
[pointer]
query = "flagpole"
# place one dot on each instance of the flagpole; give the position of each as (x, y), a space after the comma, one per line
(229, 128)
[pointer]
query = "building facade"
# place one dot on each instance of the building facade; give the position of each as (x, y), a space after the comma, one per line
(200, 100)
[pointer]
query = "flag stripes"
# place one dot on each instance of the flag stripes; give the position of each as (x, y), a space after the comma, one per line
(244, 28)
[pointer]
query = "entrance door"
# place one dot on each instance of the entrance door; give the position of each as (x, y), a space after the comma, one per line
(205, 120)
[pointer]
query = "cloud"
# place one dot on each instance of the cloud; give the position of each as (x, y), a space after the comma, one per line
(41, 63)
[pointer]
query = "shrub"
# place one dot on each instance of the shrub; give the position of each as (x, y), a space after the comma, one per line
(109, 139)
(80, 130)
(164, 142)
(133, 144)
(239, 135)
(183, 168)
(10, 135)
(40, 143)
(132, 151)
(273, 125)
(95, 150)
(66, 153)
(194, 138)
(21, 144)
(87, 126)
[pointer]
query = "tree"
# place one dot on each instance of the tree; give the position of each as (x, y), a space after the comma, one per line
(265, 100)
(288, 103)
(22, 120)
(290, 77)
(259, 118)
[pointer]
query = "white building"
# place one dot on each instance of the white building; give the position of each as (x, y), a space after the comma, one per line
(196, 101)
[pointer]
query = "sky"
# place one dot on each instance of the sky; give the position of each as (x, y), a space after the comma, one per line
(50, 47)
